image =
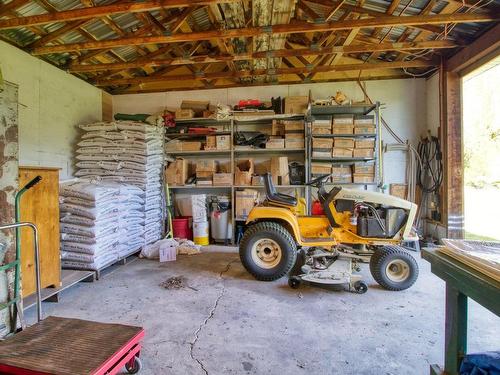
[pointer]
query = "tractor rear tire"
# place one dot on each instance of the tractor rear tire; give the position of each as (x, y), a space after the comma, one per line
(393, 268)
(268, 251)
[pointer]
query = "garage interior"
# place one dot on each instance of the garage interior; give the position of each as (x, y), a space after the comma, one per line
(249, 187)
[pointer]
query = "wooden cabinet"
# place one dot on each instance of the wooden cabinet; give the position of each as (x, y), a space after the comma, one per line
(40, 205)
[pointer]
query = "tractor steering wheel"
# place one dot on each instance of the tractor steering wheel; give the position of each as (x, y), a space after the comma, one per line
(318, 181)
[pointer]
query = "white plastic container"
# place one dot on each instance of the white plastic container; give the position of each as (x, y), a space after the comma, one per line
(221, 226)
(200, 233)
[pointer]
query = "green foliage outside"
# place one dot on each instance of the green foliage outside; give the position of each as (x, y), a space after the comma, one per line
(481, 114)
(481, 98)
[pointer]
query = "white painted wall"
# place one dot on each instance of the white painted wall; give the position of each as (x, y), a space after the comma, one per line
(51, 104)
(404, 106)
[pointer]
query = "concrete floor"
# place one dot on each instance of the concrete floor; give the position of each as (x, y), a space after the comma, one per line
(226, 322)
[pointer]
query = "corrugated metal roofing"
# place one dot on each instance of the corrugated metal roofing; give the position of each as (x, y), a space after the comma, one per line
(234, 15)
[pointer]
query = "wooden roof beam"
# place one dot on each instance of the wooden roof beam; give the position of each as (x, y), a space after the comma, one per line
(265, 72)
(298, 27)
(101, 11)
(148, 61)
(487, 46)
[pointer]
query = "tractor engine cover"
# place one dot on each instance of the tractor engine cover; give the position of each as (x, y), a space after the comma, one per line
(369, 226)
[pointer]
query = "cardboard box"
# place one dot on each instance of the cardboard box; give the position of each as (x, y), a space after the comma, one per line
(342, 129)
(245, 200)
(294, 143)
(321, 154)
(205, 166)
(278, 128)
(322, 144)
(223, 142)
(177, 172)
(364, 168)
(222, 179)
(243, 172)
(182, 114)
(363, 153)
(322, 127)
(358, 178)
(257, 181)
(398, 190)
(342, 179)
(173, 145)
(296, 104)
(341, 170)
(275, 143)
(342, 174)
(204, 178)
(365, 143)
(364, 129)
(211, 142)
(224, 166)
(364, 120)
(299, 135)
(279, 170)
(197, 106)
(343, 142)
(339, 152)
(190, 146)
(294, 126)
(321, 168)
(262, 166)
(343, 120)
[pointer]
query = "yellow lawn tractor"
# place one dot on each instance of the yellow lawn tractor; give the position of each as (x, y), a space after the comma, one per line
(324, 249)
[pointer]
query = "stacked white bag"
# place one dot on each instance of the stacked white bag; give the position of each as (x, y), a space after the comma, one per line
(131, 153)
(131, 220)
(89, 224)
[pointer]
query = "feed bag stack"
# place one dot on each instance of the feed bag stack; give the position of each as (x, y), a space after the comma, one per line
(89, 224)
(130, 153)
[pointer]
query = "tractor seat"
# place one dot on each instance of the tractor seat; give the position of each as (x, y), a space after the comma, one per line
(273, 197)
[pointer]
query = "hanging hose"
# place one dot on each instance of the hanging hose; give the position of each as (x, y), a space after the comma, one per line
(430, 171)
(430, 174)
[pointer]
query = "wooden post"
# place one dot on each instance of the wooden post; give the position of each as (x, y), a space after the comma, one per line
(453, 154)
(455, 329)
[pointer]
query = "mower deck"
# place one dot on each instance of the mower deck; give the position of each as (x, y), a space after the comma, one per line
(70, 347)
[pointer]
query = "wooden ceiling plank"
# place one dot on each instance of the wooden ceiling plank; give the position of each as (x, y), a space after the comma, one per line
(226, 57)
(298, 27)
(101, 11)
(265, 72)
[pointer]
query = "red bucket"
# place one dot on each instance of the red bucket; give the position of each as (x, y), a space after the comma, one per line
(182, 227)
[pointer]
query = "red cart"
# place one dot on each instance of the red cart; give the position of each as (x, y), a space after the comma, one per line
(62, 346)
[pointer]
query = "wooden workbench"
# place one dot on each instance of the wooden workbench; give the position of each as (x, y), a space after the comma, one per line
(462, 282)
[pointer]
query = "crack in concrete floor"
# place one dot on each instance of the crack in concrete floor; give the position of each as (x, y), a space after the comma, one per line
(209, 316)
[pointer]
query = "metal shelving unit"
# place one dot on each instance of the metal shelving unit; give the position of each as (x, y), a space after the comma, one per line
(229, 127)
(355, 109)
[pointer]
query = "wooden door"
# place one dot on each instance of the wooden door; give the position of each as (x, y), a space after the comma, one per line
(40, 205)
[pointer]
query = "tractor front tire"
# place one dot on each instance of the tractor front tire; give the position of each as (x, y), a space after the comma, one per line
(268, 251)
(393, 268)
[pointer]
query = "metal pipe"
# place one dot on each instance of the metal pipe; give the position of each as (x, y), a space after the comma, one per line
(37, 262)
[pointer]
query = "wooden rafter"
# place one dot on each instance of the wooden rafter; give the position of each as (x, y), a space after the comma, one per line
(264, 72)
(299, 27)
(358, 48)
(101, 11)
